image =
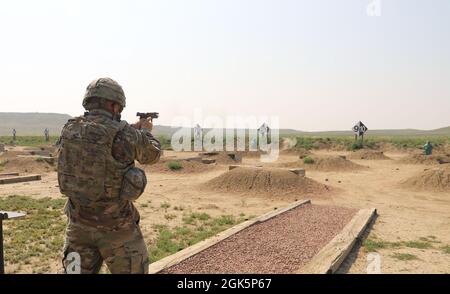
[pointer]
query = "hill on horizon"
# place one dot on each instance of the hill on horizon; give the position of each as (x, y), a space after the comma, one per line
(31, 124)
(34, 124)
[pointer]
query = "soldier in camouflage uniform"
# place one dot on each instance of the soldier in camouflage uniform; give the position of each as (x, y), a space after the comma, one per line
(96, 171)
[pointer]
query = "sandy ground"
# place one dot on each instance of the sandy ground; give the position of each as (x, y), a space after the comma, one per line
(403, 215)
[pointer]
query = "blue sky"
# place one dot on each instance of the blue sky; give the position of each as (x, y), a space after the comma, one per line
(318, 65)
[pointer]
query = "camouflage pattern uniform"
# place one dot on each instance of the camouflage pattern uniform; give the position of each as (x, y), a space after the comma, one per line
(96, 172)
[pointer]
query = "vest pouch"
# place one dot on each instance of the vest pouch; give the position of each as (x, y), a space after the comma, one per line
(133, 185)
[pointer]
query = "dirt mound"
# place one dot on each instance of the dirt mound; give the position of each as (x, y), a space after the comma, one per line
(250, 154)
(222, 157)
(426, 159)
(45, 151)
(302, 153)
(186, 166)
(368, 155)
(435, 179)
(265, 180)
(30, 165)
(327, 163)
(41, 150)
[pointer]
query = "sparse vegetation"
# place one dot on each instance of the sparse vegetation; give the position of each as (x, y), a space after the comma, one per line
(165, 205)
(3, 163)
(404, 256)
(28, 141)
(418, 244)
(356, 146)
(371, 141)
(37, 238)
(191, 219)
(304, 143)
(446, 249)
(202, 216)
(373, 245)
(40, 159)
(165, 142)
(170, 216)
(308, 160)
(429, 239)
(197, 227)
(174, 165)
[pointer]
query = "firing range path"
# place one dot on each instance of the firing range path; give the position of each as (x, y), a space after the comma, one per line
(280, 245)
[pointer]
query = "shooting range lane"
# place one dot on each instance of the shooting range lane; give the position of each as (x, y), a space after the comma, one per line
(282, 244)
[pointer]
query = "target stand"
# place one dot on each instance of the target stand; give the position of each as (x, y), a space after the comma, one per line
(359, 129)
(5, 215)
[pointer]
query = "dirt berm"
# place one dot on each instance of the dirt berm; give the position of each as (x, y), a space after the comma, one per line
(266, 181)
(326, 163)
(434, 179)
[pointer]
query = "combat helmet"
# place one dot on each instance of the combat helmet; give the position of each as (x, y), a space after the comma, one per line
(105, 88)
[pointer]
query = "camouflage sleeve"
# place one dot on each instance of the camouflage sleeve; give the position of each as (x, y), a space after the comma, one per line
(59, 141)
(131, 144)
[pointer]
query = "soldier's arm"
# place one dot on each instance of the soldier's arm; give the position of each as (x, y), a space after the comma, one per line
(148, 150)
(132, 144)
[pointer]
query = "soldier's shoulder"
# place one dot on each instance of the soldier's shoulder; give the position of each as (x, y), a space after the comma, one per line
(125, 127)
(72, 120)
(126, 131)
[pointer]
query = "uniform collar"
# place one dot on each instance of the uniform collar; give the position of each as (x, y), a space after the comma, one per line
(102, 112)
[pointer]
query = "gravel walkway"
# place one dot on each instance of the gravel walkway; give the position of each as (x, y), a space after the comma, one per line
(278, 246)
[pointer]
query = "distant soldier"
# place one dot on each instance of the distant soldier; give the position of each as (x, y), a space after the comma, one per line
(14, 134)
(96, 171)
(264, 130)
(198, 132)
(198, 143)
(428, 148)
(47, 135)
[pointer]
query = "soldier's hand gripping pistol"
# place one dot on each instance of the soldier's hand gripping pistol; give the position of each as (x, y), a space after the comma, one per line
(146, 120)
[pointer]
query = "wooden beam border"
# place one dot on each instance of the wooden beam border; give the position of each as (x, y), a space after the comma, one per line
(184, 254)
(20, 179)
(331, 256)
